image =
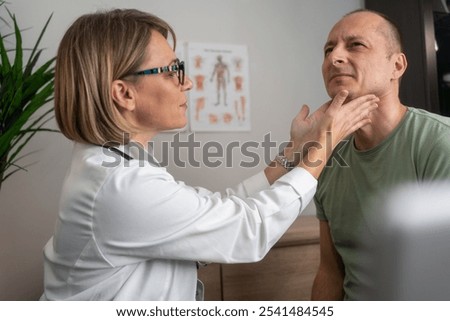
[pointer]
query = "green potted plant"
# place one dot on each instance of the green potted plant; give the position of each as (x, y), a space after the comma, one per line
(25, 90)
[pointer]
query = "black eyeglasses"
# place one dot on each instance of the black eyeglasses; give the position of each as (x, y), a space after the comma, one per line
(178, 67)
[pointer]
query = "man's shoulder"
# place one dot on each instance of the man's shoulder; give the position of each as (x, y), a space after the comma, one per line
(425, 117)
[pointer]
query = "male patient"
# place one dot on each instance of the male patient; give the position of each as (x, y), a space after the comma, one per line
(363, 54)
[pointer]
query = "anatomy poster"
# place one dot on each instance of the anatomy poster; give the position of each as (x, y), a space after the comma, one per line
(219, 99)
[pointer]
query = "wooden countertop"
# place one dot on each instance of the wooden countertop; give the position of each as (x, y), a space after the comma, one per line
(304, 230)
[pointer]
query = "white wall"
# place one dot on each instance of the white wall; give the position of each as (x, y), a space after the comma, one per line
(284, 39)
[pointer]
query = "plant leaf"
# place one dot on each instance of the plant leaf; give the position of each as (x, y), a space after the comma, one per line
(39, 39)
(34, 105)
(23, 91)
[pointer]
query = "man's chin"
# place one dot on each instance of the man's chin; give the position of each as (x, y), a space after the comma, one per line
(333, 93)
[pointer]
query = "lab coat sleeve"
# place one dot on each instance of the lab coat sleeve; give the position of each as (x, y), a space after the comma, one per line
(143, 213)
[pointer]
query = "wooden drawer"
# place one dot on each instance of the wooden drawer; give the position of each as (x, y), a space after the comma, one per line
(286, 273)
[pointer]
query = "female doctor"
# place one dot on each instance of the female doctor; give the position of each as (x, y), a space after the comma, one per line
(133, 232)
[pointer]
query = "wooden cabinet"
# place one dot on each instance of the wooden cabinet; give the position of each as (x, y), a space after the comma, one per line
(286, 273)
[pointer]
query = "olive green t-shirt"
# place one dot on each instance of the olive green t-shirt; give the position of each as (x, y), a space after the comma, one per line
(417, 150)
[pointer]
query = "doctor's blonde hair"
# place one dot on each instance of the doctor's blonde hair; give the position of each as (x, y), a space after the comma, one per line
(97, 49)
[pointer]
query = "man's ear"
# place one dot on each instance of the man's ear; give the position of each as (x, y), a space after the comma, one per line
(400, 66)
(123, 95)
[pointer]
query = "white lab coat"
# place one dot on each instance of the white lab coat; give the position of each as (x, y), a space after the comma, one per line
(131, 232)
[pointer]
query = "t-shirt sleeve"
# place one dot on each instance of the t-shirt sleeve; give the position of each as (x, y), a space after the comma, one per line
(319, 209)
(437, 162)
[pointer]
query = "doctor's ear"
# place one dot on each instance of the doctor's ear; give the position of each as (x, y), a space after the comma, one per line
(123, 94)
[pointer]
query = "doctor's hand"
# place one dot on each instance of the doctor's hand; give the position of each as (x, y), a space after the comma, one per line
(334, 118)
(310, 133)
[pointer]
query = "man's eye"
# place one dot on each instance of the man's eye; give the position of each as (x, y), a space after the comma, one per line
(327, 51)
(356, 44)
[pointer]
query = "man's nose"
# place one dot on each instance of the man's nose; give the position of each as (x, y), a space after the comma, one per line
(337, 61)
(337, 56)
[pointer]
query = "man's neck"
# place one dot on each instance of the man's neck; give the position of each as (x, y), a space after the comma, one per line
(384, 120)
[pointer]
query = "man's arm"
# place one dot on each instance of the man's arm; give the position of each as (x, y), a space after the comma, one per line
(328, 284)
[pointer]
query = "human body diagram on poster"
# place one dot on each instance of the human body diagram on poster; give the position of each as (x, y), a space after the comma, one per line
(219, 100)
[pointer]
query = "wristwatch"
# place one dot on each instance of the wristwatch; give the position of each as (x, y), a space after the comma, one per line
(284, 161)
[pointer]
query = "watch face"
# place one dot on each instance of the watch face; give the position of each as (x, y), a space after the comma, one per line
(283, 161)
